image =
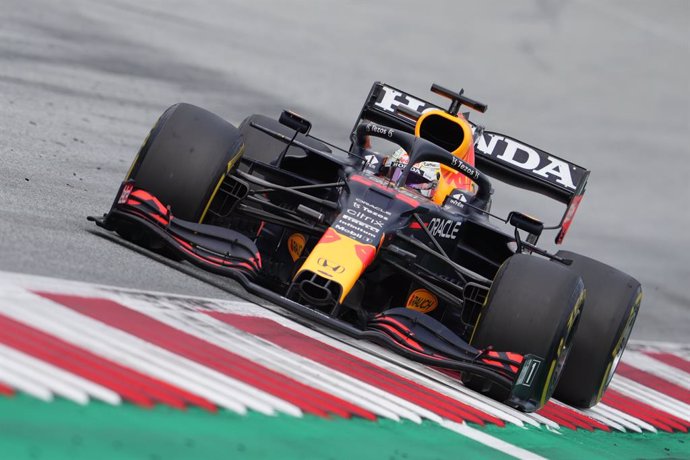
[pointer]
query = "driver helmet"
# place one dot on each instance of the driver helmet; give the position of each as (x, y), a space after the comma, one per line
(423, 177)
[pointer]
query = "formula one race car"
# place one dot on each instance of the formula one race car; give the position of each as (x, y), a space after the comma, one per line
(346, 238)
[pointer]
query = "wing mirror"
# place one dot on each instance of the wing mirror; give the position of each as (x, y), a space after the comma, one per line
(532, 226)
(295, 121)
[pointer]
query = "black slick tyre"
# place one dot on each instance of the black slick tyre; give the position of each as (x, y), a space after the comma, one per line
(613, 301)
(185, 158)
(532, 308)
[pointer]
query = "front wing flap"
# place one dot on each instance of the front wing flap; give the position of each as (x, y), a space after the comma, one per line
(517, 380)
(140, 217)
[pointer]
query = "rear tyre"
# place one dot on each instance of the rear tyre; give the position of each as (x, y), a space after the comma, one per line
(185, 158)
(532, 308)
(613, 300)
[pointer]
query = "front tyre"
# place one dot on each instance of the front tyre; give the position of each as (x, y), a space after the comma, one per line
(533, 307)
(613, 301)
(185, 158)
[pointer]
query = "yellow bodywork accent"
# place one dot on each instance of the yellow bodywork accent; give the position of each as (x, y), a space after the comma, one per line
(449, 178)
(335, 258)
(561, 344)
(547, 383)
(136, 157)
(231, 163)
(131, 167)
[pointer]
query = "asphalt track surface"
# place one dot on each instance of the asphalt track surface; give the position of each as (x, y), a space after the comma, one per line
(605, 84)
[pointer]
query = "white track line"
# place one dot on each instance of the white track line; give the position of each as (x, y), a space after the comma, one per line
(226, 336)
(317, 375)
(10, 377)
(145, 357)
(627, 420)
(344, 386)
(491, 441)
(652, 397)
(52, 384)
(659, 369)
(133, 352)
(99, 339)
(286, 362)
(608, 421)
(46, 372)
(294, 366)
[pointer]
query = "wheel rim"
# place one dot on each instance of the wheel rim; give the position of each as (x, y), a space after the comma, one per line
(564, 346)
(617, 353)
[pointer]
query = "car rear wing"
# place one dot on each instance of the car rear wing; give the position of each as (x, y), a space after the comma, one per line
(498, 155)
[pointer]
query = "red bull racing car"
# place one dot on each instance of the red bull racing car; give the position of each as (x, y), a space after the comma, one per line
(402, 250)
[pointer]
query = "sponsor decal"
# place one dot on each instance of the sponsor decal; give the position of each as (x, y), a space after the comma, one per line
(444, 228)
(371, 160)
(519, 155)
(422, 300)
(362, 221)
(468, 170)
(376, 129)
(126, 191)
(296, 244)
(330, 265)
(528, 372)
(458, 199)
(388, 99)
